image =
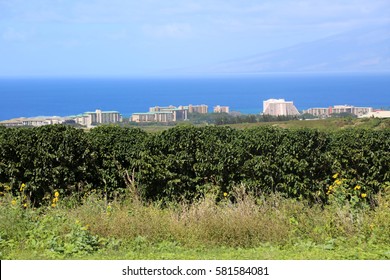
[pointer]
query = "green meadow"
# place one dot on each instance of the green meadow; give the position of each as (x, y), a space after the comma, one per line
(272, 227)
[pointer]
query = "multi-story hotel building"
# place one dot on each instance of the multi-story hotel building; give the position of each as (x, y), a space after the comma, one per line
(279, 107)
(36, 121)
(201, 109)
(152, 117)
(358, 111)
(319, 112)
(221, 109)
(98, 117)
(338, 109)
(168, 114)
(161, 109)
(377, 114)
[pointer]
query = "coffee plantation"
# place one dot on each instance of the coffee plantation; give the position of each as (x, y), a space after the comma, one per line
(186, 162)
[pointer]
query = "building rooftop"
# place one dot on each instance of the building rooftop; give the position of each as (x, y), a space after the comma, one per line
(151, 113)
(94, 112)
(377, 114)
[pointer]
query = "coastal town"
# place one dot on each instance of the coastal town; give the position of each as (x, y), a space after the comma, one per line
(171, 114)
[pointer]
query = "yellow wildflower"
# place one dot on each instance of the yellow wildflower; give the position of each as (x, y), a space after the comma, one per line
(25, 205)
(13, 202)
(357, 187)
(338, 182)
(225, 194)
(335, 175)
(53, 205)
(56, 194)
(363, 195)
(108, 210)
(22, 186)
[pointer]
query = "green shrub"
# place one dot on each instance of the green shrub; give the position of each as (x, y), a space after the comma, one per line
(184, 162)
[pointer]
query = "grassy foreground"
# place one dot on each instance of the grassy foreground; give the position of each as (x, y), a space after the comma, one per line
(270, 227)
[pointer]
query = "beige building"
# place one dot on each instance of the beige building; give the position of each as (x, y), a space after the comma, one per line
(35, 121)
(279, 107)
(358, 111)
(201, 109)
(83, 119)
(221, 109)
(377, 114)
(161, 109)
(338, 109)
(153, 117)
(162, 114)
(169, 113)
(98, 117)
(319, 112)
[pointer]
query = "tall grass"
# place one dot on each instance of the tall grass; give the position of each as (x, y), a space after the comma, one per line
(248, 222)
(210, 222)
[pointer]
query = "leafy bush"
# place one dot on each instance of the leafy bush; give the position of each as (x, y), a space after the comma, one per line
(187, 161)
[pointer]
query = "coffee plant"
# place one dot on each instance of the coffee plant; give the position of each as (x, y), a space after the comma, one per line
(187, 161)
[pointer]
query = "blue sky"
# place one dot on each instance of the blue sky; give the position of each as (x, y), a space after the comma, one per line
(148, 37)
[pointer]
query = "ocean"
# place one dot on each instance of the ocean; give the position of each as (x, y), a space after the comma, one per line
(28, 97)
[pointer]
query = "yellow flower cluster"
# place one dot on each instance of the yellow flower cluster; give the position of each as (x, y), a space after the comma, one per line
(55, 199)
(344, 191)
(21, 199)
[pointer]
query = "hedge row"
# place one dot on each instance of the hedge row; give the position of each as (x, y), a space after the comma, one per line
(186, 161)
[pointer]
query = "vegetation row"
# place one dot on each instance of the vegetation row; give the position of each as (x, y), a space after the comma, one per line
(185, 162)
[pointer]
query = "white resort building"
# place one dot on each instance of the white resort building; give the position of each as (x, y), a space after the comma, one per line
(382, 114)
(338, 109)
(36, 121)
(98, 117)
(221, 109)
(168, 114)
(279, 107)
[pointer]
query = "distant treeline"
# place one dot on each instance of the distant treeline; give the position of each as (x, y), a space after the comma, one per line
(225, 118)
(188, 161)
